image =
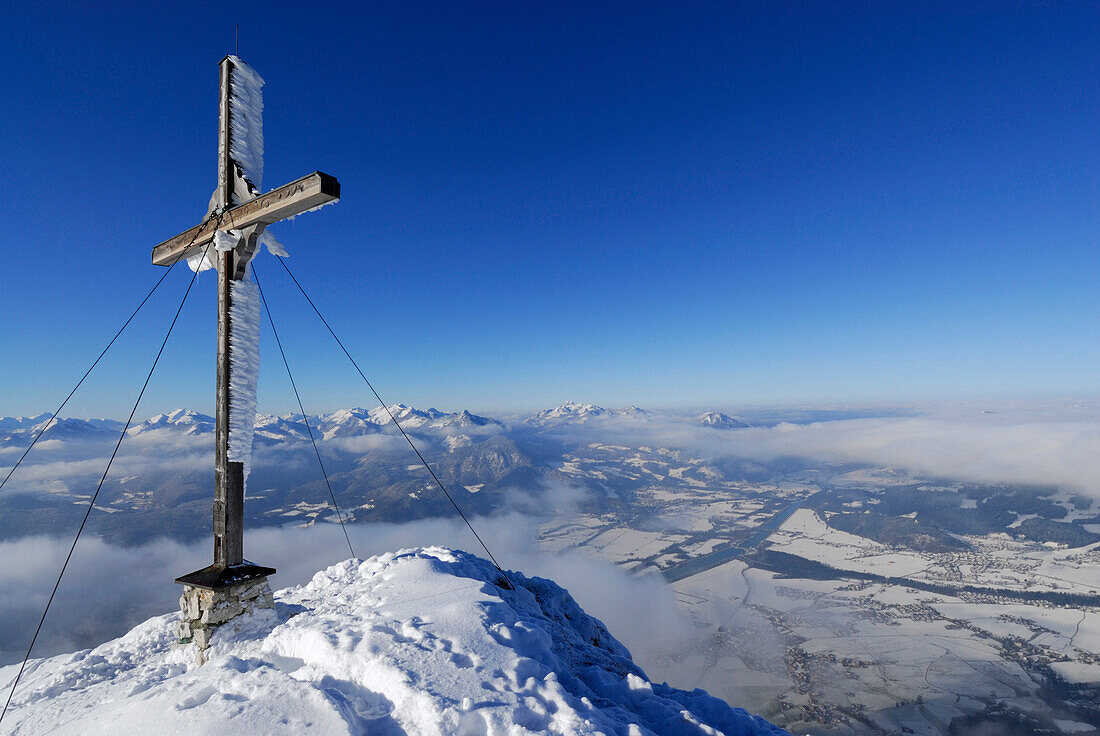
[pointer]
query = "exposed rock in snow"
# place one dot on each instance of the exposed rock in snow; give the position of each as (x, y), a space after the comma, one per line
(416, 642)
(463, 419)
(455, 441)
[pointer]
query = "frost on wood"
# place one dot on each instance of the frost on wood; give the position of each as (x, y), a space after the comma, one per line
(246, 123)
(244, 369)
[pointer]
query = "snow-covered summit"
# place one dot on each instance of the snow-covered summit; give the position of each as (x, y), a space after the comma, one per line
(272, 429)
(411, 418)
(719, 420)
(10, 423)
(578, 412)
(347, 423)
(570, 410)
(68, 428)
(18, 431)
(406, 415)
(185, 420)
(425, 641)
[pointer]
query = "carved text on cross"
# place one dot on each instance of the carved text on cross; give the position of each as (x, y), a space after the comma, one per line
(288, 200)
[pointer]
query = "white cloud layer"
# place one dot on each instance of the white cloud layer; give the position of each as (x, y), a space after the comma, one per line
(108, 588)
(1052, 446)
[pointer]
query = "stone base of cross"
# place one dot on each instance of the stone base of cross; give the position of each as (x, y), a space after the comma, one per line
(220, 594)
(205, 610)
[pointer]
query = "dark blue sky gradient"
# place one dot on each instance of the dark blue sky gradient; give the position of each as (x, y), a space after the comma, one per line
(681, 204)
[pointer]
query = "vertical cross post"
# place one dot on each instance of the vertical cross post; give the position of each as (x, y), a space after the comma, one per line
(232, 586)
(228, 476)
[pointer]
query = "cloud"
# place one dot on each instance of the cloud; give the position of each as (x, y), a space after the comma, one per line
(108, 589)
(366, 443)
(1052, 446)
(1053, 452)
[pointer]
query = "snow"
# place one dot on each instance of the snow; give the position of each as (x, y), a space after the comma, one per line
(405, 415)
(7, 423)
(226, 240)
(274, 247)
(1073, 726)
(244, 369)
(1077, 672)
(412, 418)
(720, 420)
(246, 122)
(203, 261)
(423, 641)
(570, 410)
(191, 422)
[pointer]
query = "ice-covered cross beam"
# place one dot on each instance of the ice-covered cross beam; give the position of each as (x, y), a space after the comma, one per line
(291, 199)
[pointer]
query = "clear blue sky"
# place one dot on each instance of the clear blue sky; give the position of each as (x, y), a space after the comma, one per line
(707, 203)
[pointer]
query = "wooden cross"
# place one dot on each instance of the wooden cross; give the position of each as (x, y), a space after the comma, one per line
(238, 206)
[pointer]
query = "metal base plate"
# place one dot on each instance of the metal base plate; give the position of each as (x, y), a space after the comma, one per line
(218, 576)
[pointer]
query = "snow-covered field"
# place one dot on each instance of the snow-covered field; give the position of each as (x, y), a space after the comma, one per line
(836, 654)
(996, 561)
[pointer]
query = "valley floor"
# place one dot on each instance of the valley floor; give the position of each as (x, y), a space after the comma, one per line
(840, 634)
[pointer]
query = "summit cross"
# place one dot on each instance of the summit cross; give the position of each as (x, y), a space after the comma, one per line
(234, 226)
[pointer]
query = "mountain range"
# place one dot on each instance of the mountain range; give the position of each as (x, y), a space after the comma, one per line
(341, 423)
(161, 481)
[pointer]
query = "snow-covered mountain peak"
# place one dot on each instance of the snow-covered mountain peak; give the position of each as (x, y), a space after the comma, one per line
(406, 415)
(70, 428)
(347, 423)
(571, 410)
(181, 416)
(271, 429)
(719, 420)
(368, 647)
(10, 423)
(343, 416)
(428, 419)
(191, 422)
